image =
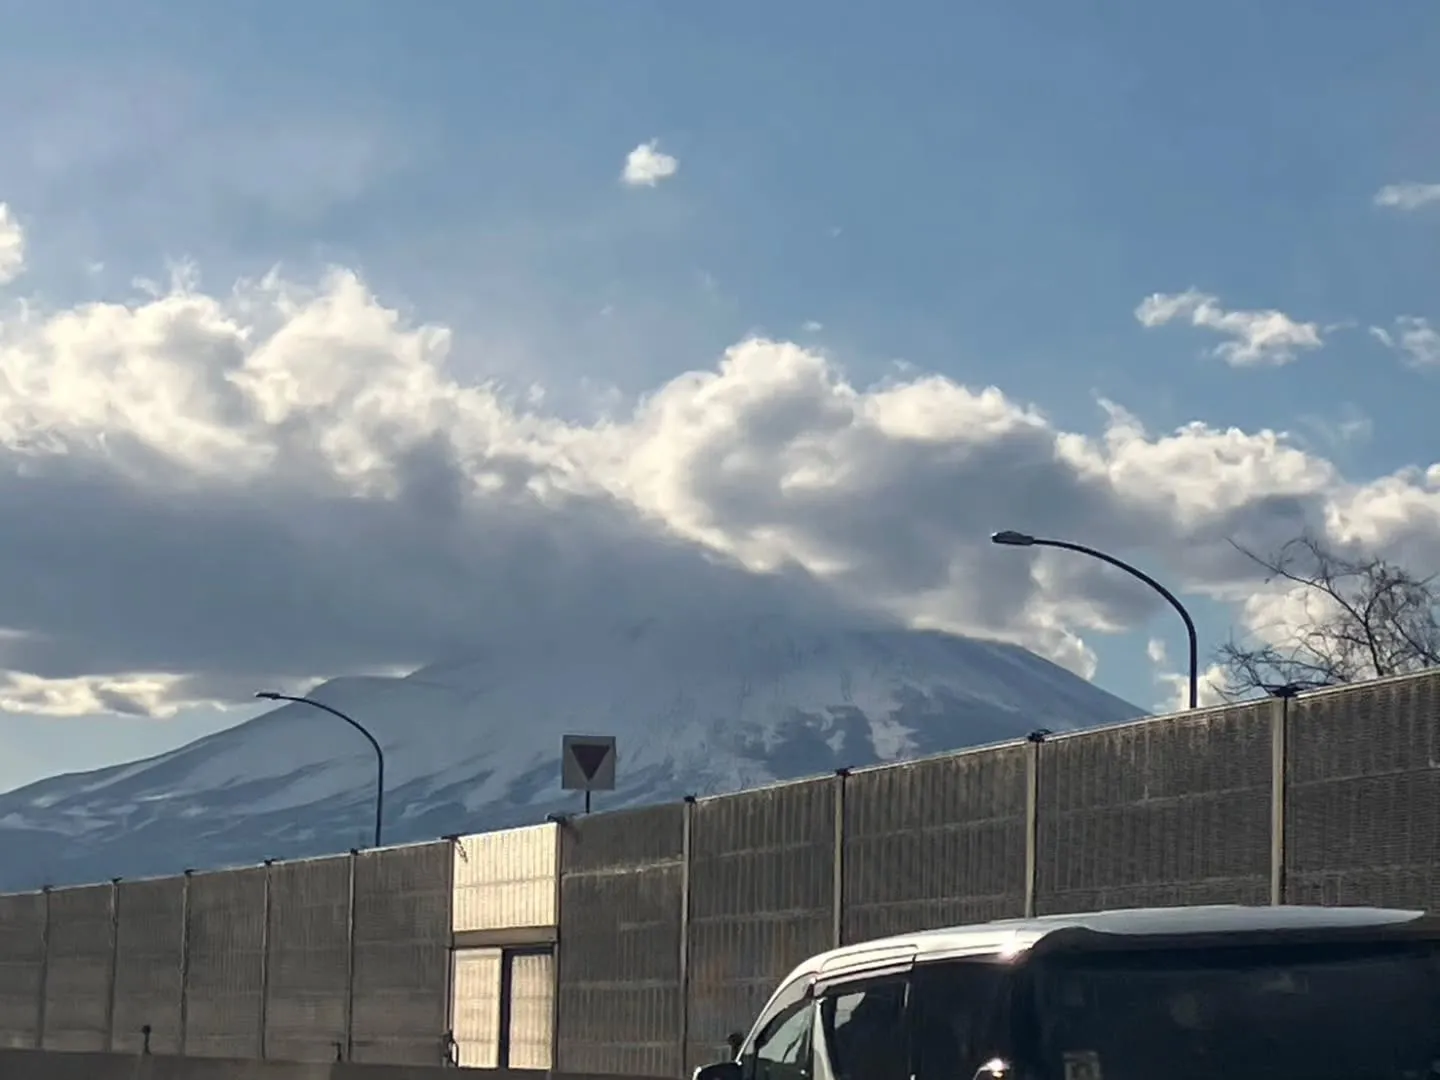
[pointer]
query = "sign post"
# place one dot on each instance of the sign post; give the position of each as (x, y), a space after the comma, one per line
(587, 763)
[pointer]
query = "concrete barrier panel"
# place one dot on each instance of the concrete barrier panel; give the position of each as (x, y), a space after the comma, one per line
(621, 925)
(762, 894)
(309, 942)
(149, 959)
(224, 984)
(78, 968)
(22, 962)
(402, 954)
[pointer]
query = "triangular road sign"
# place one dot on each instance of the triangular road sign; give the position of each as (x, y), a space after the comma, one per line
(587, 763)
(590, 758)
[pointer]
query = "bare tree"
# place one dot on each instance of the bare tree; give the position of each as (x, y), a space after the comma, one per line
(1362, 618)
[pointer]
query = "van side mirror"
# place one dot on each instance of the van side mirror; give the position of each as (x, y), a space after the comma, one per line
(720, 1070)
(735, 1040)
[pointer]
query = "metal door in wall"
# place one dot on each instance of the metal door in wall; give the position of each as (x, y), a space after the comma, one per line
(475, 1008)
(503, 1008)
(528, 980)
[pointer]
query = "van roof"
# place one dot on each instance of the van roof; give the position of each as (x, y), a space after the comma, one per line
(1017, 935)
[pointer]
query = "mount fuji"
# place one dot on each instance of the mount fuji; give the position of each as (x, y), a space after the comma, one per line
(698, 706)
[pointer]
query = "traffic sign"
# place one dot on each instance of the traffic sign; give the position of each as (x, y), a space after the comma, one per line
(587, 763)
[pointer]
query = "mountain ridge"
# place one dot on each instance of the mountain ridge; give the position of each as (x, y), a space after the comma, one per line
(471, 744)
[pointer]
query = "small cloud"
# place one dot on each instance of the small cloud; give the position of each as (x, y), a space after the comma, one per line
(810, 326)
(647, 165)
(1261, 338)
(12, 246)
(1414, 338)
(1155, 650)
(1354, 429)
(1407, 196)
(1337, 434)
(1209, 684)
(835, 231)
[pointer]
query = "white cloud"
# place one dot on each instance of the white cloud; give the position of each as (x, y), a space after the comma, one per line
(647, 165)
(1155, 650)
(1407, 196)
(1354, 429)
(1340, 430)
(1209, 683)
(138, 694)
(12, 246)
(1265, 337)
(246, 487)
(1414, 338)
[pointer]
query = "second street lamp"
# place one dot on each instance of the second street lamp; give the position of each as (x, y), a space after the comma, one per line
(270, 695)
(1010, 538)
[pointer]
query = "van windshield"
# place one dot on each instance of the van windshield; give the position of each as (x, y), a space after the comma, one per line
(1307, 1012)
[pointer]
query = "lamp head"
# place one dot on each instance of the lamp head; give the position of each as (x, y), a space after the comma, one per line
(1011, 538)
(267, 695)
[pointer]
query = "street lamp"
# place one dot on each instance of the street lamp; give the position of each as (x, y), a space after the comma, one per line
(271, 695)
(1010, 538)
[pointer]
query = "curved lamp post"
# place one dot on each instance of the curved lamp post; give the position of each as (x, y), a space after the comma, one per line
(270, 695)
(1009, 538)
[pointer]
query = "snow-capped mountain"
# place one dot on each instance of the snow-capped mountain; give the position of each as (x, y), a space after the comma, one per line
(698, 706)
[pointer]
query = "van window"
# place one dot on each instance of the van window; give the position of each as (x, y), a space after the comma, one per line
(1331, 1011)
(864, 1030)
(782, 1050)
(958, 1013)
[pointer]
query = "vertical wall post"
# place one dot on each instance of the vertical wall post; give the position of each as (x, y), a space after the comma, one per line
(44, 988)
(686, 833)
(448, 1048)
(507, 1007)
(1279, 753)
(559, 949)
(837, 897)
(113, 975)
(182, 1035)
(265, 960)
(1036, 739)
(350, 963)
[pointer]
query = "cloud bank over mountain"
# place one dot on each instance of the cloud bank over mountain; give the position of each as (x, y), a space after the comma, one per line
(210, 489)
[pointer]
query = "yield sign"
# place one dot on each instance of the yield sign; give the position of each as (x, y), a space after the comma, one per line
(587, 763)
(591, 757)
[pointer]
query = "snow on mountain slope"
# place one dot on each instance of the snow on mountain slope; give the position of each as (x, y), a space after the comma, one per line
(698, 706)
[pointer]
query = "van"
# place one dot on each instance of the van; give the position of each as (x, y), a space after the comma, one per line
(1197, 993)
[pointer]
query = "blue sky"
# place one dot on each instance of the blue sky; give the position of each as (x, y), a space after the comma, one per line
(983, 191)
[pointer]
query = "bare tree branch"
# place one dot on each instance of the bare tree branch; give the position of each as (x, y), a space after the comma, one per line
(1362, 618)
